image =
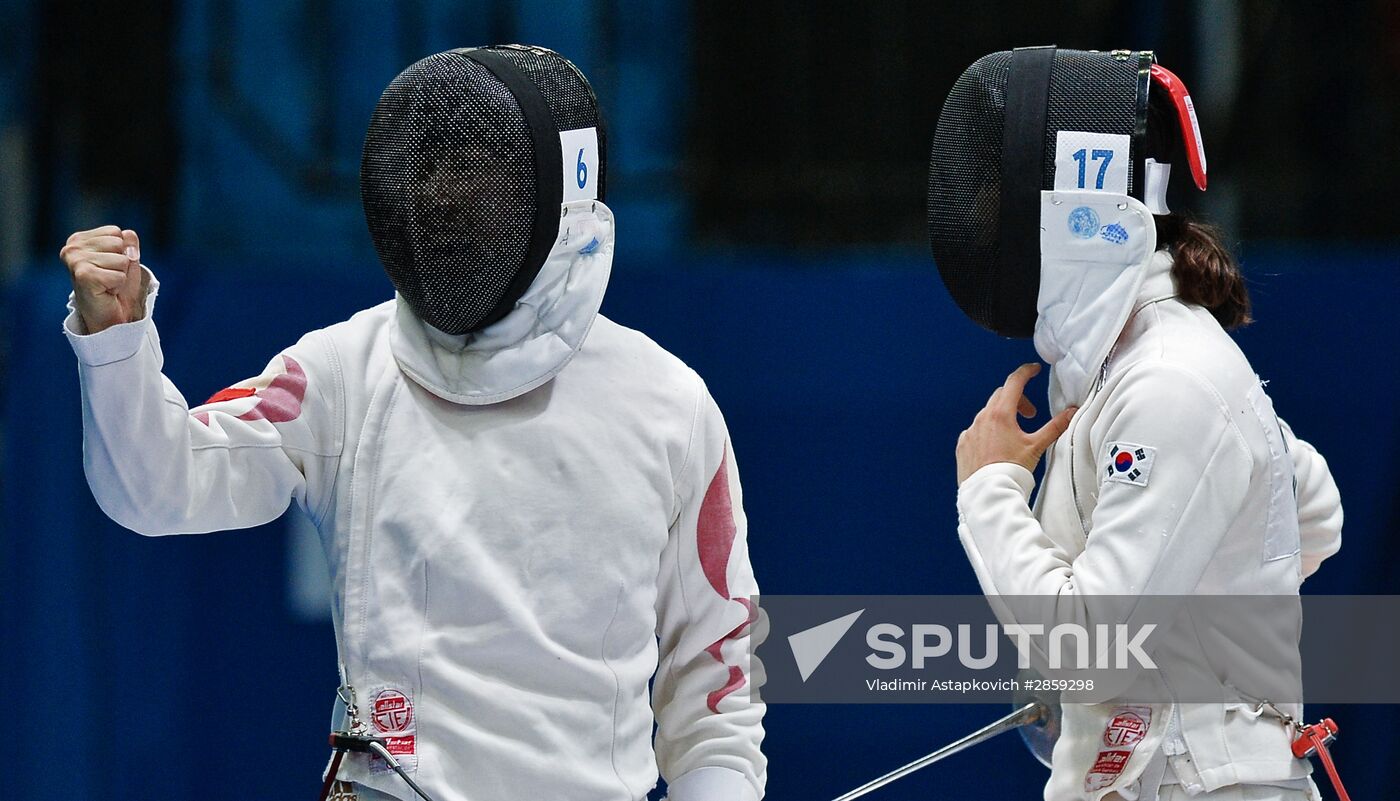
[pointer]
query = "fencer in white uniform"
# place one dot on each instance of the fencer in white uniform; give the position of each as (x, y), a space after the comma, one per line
(526, 523)
(1211, 511)
(1168, 472)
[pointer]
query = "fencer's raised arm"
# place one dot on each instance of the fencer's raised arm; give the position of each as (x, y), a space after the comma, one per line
(158, 467)
(1319, 502)
(708, 730)
(1143, 538)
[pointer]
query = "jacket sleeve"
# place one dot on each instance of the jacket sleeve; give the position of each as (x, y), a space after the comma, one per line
(1319, 503)
(1153, 535)
(158, 467)
(708, 729)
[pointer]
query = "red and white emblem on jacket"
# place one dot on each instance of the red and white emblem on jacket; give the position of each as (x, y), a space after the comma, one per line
(1127, 728)
(275, 396)
(1121, 736)
(391, 713)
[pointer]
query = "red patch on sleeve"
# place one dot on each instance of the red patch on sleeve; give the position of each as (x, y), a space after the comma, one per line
(232, 393)
(278, 402)
(715, 530)
(714, 539)
(736, 681)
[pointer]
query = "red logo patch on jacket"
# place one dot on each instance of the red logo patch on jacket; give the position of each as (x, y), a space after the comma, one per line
(1121, 736)
(394, 717)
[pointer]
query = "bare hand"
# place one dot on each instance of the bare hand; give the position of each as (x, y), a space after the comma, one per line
(108, 282)
(996, 436)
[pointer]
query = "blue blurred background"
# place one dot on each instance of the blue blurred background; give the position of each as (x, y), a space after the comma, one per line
(768, 162)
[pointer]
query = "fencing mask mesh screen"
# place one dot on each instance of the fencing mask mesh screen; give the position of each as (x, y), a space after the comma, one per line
(993, 152)
(461, 177)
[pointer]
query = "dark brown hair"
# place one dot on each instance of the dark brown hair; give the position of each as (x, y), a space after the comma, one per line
(1206, 273)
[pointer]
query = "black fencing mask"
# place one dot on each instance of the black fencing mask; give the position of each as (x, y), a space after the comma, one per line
(467, 159)
(1019, 122)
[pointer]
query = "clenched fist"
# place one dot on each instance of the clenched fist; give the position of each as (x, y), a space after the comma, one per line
(109, 286)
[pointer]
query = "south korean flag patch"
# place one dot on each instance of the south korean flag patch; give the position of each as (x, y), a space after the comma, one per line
(1129, 463)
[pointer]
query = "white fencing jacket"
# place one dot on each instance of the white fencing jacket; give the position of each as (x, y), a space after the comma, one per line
(1210, 510)
(516, 547)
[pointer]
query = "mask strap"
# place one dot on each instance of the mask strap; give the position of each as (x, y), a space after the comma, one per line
(1023, 165)
(1137, 187)
(549, 172)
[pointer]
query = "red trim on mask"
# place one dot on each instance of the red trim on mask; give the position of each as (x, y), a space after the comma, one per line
(1186, 113)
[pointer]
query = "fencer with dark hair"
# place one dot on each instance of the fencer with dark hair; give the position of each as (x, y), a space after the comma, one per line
(529, 510)
(1167, 471)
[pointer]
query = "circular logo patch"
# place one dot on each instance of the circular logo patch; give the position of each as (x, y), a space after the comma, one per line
(1126, 729)
(1084, 222)
(391, 711)
(1123, 461)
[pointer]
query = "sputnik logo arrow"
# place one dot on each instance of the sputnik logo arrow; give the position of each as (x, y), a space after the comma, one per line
(811, 646)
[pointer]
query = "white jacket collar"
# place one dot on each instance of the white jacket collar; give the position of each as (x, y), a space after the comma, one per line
(1157, 281)
(1097, 255)
(536, 339)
